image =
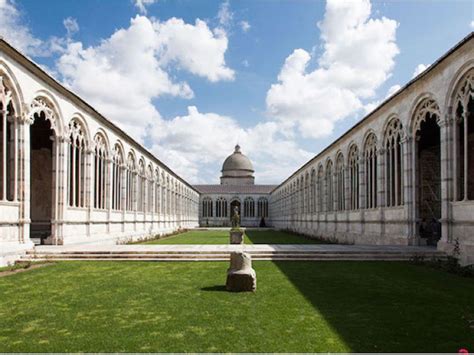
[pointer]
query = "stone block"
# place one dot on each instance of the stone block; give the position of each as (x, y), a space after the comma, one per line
(236, 237)
(241, 277)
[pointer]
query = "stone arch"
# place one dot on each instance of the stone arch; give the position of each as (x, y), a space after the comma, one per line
(12, 84)
(457, 80)
(46, 103)
(425, 106)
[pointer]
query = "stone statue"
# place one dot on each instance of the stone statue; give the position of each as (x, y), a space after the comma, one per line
(235, 220)
(240, 275)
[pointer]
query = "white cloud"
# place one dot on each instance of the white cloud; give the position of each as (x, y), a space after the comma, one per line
(358, 57)
(472, 24)
(420, 68)
(245, 26)
(142, 4)
(196, 144)
(134, 62)
(392, 90)
(16, 33)
(71, 26)
(225, 15)
(195, 48)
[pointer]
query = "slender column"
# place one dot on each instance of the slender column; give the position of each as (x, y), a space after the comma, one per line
(466, 153)
(15, 159)
(362, 183)
(381, 187)
(89, 189)
(4, 155)
(406, 146)
(446, 182)
(348, 187)
(23, 125)
(455, 157)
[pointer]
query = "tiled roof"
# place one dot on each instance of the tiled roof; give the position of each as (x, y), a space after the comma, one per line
(230, 189)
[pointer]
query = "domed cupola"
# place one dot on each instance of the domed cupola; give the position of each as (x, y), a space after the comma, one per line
(237, 169)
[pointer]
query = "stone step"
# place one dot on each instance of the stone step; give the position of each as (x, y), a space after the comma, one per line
(225, 256)
(226, 259)
(219, 252)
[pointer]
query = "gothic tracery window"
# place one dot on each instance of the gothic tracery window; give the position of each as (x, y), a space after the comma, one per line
(464, 138)
(157, 192)
(150, 188)
(393, 164)
(329, 187)
(77, 164)
(320, 189)
(131, 178)
(370, 155)
(354, 178)
(8, 145)
(221, 207)
(207, 207)
(262, 207)
(141, 187)
(100, 172)
(340, 183)
(249, 207)
(117, 166)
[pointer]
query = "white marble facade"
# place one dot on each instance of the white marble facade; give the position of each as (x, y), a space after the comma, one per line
(402, 175)
(68, 175)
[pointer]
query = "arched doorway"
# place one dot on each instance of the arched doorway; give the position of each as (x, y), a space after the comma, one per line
(41, 179)
(428, 179)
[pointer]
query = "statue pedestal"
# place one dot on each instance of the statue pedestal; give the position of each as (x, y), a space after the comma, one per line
(240, 276)
(236, 237)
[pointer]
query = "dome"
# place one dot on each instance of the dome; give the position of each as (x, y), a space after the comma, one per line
(237, 161)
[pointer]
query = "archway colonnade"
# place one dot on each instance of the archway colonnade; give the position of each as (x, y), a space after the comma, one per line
(68, 175)
(402, 175)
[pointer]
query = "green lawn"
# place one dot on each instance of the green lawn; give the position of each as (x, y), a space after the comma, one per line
(222, 237)
(182, 307)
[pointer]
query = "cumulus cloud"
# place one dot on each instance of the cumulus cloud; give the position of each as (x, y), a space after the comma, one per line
(358, 57)
(195, 48)
(245, 26)
(420, 68)
(142, 4)
(71, 26)
(134, 62)
(16, 33)
(209, 138)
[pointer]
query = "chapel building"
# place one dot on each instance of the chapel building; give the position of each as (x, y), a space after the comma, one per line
(237, 191)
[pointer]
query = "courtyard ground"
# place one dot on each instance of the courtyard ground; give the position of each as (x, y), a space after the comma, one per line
(221, 236)
(183, 307)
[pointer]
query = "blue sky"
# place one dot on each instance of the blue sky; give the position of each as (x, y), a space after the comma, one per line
(202, 101)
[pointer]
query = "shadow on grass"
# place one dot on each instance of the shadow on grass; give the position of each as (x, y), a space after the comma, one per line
(216, 288)
(388, 306)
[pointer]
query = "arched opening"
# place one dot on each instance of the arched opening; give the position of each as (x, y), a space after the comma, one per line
(41, 179)
(428, 180)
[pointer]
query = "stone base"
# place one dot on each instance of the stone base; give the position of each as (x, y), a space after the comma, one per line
(240, 276)
(236, 237)
(241, 281)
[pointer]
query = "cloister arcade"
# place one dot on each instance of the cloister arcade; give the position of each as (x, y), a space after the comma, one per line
(63, 173)
(402, 175)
